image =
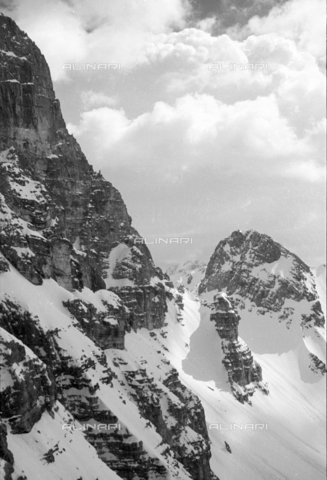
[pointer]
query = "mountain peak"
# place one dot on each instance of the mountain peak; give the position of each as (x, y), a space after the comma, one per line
(260, 247)
(243, 256)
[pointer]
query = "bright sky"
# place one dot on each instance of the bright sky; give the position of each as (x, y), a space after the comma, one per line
(195, 151)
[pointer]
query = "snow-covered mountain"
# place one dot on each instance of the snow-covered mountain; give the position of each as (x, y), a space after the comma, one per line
(281, 322)
(265, 278)
(74, 283)
(108, 369)
(188, 274)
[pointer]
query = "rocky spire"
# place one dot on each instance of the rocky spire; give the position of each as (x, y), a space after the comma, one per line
(244, 373)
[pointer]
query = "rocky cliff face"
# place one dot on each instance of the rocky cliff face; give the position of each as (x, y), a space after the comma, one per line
(28, 388)
(244, 373)
(75, 218)
(75, 280)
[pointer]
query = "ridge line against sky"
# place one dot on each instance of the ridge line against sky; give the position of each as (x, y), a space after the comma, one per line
(198, 148)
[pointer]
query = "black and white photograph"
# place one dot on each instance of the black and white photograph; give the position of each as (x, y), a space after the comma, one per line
(162, 240)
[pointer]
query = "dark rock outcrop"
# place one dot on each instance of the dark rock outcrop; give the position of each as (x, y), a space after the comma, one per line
(5, 454)
(28, 390)
(106, 329)
(244, 373)
(149, 397)
(146, 305)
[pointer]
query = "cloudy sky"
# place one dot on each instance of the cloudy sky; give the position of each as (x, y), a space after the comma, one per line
(197, 147)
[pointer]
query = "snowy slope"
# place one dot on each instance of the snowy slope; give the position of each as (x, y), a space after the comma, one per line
(46, 302)
(288, 440)
(74, 457)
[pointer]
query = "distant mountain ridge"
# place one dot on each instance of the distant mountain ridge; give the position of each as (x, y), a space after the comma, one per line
(189, 274)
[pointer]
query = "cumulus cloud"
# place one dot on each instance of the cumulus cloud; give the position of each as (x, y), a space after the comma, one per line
(91, 99)
(302, 21)
(103, 127)
(197, 131)
(194, 59)
(306, 171)
(262, 121)
(99, 31)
